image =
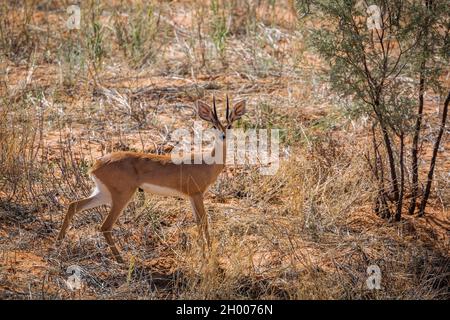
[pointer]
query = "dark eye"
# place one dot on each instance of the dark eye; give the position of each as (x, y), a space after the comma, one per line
(223, 135)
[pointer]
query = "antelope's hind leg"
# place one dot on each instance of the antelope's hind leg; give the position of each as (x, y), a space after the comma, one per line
(99, 196)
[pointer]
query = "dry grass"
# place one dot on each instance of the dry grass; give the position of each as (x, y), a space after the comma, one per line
(307, 232)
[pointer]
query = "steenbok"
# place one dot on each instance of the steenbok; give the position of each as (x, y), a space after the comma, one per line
(118, 175)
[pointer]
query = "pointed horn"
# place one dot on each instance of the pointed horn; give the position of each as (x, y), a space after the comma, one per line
(228, 108)
(214, 108)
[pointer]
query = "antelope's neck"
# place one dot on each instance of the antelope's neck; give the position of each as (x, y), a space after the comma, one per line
(219, 153)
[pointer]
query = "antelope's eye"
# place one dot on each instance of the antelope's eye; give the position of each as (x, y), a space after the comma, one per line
(222, 135)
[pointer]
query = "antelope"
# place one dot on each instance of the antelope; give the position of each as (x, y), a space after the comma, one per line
(118, 175)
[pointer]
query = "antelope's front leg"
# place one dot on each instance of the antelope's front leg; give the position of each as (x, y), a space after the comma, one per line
(201, 218)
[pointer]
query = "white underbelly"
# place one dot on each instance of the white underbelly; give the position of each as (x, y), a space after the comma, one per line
(162, 191)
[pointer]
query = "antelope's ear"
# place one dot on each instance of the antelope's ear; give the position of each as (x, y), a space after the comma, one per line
(238, 111)
(204, 111)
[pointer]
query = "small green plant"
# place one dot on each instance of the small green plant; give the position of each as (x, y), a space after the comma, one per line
(137, 35)
(95, 40)
(219, 29)
(95, 36)
(72, 62)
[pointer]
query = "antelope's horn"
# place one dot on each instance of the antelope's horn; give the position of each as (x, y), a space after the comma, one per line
(215, 110)
(228, 108)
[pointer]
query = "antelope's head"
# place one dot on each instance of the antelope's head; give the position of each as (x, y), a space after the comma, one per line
(206, 113)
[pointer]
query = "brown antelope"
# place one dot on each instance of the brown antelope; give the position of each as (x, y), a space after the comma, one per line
(119, 174)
